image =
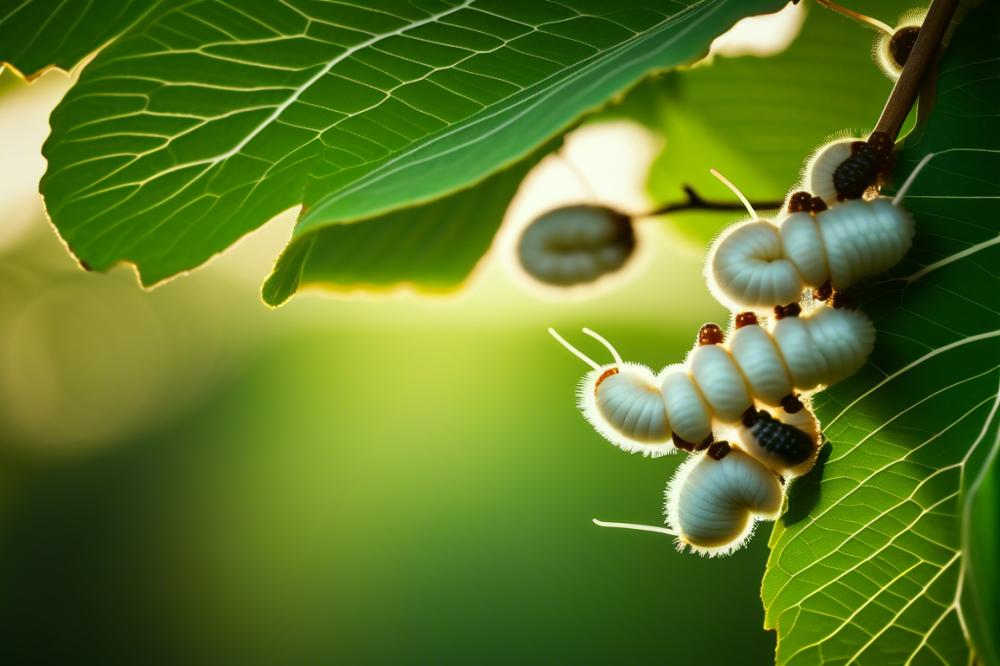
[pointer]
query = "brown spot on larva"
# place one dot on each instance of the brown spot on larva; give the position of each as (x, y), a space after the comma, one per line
(823, 292)
(719, 450)
(604, 375)
(705, 443)
(799, 202)
(781, 479)
(682, 444)
(792, 404)
(745, 319)
(749, 416)
(902, 43)
(710, 334)
(816, 205)
(790, 310)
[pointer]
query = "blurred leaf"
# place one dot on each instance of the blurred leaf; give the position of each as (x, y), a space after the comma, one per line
(433, 247)
(981, 591)
(874, 573)
(755, 119)
(37, 34)
(199, 125)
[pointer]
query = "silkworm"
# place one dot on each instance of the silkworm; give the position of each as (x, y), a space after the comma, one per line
(760, 263)
(576, 244)
(892, 48)
(640, 411)
(714, 500)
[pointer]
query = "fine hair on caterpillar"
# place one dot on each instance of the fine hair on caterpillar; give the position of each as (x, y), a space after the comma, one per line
(713, 502)
(893, 45)
(722, 377)
(761, 263)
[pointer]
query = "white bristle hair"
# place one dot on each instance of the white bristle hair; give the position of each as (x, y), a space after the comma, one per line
(746, 268)
(755, 266)
(880, 49)
(818, 178)
(627, 409)
(713, 505)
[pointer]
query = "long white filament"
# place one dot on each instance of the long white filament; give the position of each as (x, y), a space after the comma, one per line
(736, 191)
(635, 526)
(573, 350)
(857, 16)
(614, 352)
(912, 177)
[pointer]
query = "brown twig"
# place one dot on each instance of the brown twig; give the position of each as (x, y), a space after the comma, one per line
(695, 201)
(923, 55)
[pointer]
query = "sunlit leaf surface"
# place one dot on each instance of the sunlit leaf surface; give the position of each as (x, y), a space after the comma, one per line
(36, 34)
(433, 246)
(198, 126)
(756, 118)
(867, 566)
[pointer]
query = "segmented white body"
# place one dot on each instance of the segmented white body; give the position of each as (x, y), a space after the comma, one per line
(712, 505)
(713, 502)
(758, 264)
(640, 411)
(576, 244)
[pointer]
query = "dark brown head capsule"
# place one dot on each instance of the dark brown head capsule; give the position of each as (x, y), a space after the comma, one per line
(745, 319)
(799, 202)
(790, 310)
(861, 170)
(719, 450)
(792, 404)
(710, 334)
(902, 43)
(786, 442)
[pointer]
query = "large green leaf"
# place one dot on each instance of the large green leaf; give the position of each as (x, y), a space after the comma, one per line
(755, 118)
(202, 123)
(37, 34)
(868, 565)
(434, 246)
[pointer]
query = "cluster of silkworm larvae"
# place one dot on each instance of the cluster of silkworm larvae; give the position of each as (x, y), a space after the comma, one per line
(752, 384)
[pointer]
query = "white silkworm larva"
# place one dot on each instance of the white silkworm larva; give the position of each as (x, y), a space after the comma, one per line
(758, 264)
(639, 411)
(714, 500)
(576, 244)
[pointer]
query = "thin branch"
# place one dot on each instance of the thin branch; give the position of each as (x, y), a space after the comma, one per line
(695, 201)
(923, 55)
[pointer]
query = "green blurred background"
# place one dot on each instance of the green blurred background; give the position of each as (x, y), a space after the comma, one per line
(188, 477)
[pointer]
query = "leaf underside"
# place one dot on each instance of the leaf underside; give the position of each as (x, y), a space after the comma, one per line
(208, 117)
(868, 565)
